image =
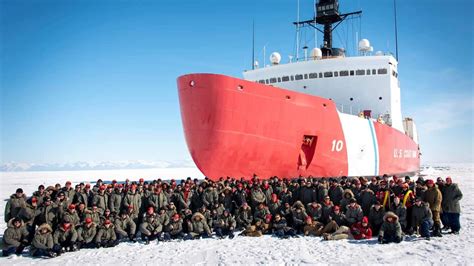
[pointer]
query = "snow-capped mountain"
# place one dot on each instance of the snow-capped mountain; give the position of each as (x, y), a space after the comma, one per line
(105, 165)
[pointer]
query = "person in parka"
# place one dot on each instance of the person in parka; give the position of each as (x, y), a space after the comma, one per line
(210, 197)
(434, 198)
(28, 215)
(106, 236)
(244, 216)
(257, 197)
(376, 217)
(16, 202)
(115, 200)
(280, 228)
(401, 212)
(158, 199)
(225, 225)
(48, 213)
(65, 237)
(174, 230)
(450, 205)
(125, 227)
(299, 216)
(198, 227)
(42, 244)
(71, 213)
(367, 199)
(422, 218)
(361, 230)
(337, 216)
(134, 200)
(86, 234)
(101, 200)
(346, 199)
(353, 213)
(316, 228)
(335, 192)
(391, 230)
(15, 237)
(151, 228)
(314, 210)
(275, 204)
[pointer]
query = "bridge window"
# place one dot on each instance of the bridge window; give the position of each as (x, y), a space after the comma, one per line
(395, 74)
(327, 74)
(382, 71)
(279, 79)
(360, 72)
(273, 80)
(267, 81)
(368, 72)
(336, 73)
(344, 73)
(313, 75)
(261, 81)
(351, 72)
(298, 77)
(305, 76)
(292, 78)
(320, 75)
(373, 72)
(285, 78)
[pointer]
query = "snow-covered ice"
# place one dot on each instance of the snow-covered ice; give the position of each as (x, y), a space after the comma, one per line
(451, 249)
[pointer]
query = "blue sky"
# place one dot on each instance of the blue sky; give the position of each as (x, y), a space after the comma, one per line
(96, 80)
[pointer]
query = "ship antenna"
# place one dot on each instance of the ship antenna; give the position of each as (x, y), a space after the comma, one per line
(253, 44)
(396, 30)
(297, 29)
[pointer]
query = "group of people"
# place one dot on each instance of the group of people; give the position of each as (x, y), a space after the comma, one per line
(57, 219)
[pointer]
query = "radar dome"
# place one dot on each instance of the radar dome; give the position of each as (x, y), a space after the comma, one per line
(275, 58)
(316, 53)
(364, 45)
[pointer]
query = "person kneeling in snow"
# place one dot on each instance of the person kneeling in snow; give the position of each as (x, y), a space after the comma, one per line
(151, 227)
(65, 237)
(106, 236)
(391, 230)
(86, 234)
(42, 244)
(198, 227)
(225, 225)
(280, 228)
(422, 218)
(15, 237)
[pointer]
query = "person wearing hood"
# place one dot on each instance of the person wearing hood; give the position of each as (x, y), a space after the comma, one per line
(401, 212)
(391, 230)
(15, 237)
(198, 227)
(346, 199)
(16, 202)
(376, 217)
(450, 205)
(43, 243)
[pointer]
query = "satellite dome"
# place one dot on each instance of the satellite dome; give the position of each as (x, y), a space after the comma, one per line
(364, 45)
(275, 58)
(316, 53)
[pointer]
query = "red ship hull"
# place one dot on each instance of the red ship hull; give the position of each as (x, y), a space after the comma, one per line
(239, 128)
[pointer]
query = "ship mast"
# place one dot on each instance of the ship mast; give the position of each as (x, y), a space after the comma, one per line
(327, 14)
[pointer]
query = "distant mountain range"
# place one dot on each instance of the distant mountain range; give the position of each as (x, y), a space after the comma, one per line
(106, 165)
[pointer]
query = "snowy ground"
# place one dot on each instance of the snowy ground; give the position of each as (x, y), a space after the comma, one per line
(452, 250)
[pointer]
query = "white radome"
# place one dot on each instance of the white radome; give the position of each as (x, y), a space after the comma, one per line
(364, 45)
(379, 53)
(316, 53)
(275, 58)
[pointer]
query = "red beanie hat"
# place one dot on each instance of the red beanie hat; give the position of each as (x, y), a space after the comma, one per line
(365, 220)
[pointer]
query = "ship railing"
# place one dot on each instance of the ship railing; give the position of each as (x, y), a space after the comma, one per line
(356, 110)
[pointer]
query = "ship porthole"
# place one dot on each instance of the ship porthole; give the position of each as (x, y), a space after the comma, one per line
(288, 97)
(240, 87)
(192, 83)
(380, 98)
(324, 105)
(351, 99)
